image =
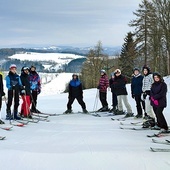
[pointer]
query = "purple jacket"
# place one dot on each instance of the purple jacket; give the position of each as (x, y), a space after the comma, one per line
(158, 94)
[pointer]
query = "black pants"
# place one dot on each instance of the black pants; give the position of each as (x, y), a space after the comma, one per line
(102, 96)
(11, 94)
(160, 117)
(80, 101)
(34, 95)
(139, 104)
(0, 102)
(114, 99)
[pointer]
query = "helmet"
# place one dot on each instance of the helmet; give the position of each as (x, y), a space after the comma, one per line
(103, 71)
(136, 68)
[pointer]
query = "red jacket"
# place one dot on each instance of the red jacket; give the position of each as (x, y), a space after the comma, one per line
(103, 83)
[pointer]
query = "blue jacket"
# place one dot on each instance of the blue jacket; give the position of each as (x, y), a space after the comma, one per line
(136, 85)
(13, 81)
(34, 81)
(75, 88)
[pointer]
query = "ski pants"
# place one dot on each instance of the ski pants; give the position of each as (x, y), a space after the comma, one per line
(103, 96)
(13, 94)
(25, 107)
(160, 117)
(80, 101)
(34, 95)
(123, 98)
(139, 104)
(114, 99)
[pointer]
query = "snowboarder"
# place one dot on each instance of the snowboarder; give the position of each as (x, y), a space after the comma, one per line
(14, 86)
(75, 92)
(146, 87)
(158, 100)
(136, 91)
(35, 88)
(119, 88)
(103, 85)
(1, 94)
(114, 97)
(25, 94)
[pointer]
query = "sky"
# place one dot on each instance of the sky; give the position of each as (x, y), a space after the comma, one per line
(65, 22)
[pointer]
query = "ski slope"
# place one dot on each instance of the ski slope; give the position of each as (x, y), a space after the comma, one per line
(79, 141)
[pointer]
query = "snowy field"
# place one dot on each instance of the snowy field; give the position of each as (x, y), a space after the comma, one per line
(78, 141)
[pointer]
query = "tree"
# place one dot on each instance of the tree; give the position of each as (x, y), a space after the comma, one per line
(128, 55)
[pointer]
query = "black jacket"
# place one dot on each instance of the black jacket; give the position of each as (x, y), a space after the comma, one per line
(26, 83)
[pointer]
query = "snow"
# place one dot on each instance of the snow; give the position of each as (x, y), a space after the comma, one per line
(79, 141)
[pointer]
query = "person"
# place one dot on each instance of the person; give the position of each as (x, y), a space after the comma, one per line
(114, 97)
(119, 87)
(75, 92)
(158, 100)
(136, 91)
(26, 93)
(102, 86)
(14, 86)
(2, 93)
(35, 84)
(149, 117)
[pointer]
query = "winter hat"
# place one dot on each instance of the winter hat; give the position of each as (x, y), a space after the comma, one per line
(12, 66)
(33, 67)
(117, 71)
(75, 75)
(136, 68)
(112, 74)
(147, 68)
(103, 71)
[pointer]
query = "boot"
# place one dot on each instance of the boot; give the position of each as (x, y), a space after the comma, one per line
(105, 109)
(68, 111)
(16, 117)
(129, 115)
(8, 115)
(2, 122)
(119, 112)
(85, 111)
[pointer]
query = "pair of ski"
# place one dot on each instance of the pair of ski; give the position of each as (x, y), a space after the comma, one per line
(166, 142)
(2, 137)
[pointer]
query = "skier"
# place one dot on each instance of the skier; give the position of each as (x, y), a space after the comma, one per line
(1, 94)
(119, 87)
(158, 100)
(75, 92)
(146, 87)
(35, 88)
(103, 85)
(14, 86)
(114, 97)
(136, 91)
(25, 108)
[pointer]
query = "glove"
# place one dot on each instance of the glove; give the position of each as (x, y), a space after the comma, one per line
(3, 93)
(154, 101)
(13, 87)
(144, 96)
(23, 92)
(38, 91)
(133, 96)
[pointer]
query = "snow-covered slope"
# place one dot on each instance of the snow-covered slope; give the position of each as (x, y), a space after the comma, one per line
(80, 142)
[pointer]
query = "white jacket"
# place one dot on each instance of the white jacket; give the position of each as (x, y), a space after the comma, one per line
(147, 82)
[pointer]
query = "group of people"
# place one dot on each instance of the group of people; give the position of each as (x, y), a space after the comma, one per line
(27, 85)
(148, 90)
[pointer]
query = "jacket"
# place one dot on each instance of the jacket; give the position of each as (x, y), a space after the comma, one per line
(26, 83)
(34, 79)
(103, 83)
(136, 85)
(119, 85)
(147, 82)
(158, 94)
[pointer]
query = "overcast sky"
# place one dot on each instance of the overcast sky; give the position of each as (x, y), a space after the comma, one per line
(65, 22)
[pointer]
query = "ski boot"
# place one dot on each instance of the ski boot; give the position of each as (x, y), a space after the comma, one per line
(149, 123)
(105, 109)
(8, 115)
(2, 122)
(68, 111)
(16, 117)
(85, 111)
(119, 112)
(138, 116)
(129, 115)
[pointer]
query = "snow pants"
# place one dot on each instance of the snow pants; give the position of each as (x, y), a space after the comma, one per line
(103, 100)
(123, 98)
(80, 101)
(148, 107)
(139, 104)
(34, 100)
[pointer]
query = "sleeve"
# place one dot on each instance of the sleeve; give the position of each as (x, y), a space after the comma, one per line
(39, 82)
(107, 82)
(8, 84)
(132, 87)
(69, 90)
(1, 84)
(161, 93)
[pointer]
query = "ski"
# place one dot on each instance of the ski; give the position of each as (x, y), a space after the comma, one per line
(47, 114)
(2, 137)
(30, 120)
(17, 124)
(134, 128)
(159, 149)
(118, 119)
(137, 124)
(6, 127)
(160, 134)
(39, 115)
(24, 122)
(40, 118)
(161, 142)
